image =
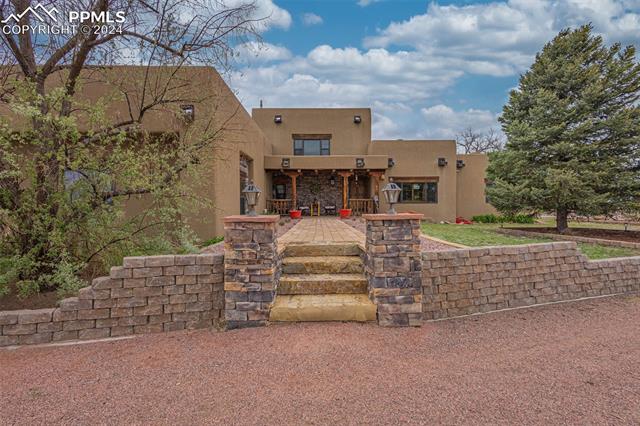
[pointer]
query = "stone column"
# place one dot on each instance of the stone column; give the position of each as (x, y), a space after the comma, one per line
(251, 269)
(393, 266)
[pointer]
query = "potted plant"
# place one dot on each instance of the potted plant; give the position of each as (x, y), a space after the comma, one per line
(295, 214)
(345, 213)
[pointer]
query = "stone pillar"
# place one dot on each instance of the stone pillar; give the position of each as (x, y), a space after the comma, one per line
(251, 269)
(393, 266)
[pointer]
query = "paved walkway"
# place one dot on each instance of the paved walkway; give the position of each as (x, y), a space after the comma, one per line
(574, 363)
(321, 229)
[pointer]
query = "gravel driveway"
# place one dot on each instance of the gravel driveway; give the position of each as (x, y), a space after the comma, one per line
(573, 363)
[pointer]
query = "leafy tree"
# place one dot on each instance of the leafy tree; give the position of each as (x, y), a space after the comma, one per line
(66, 167)
(573, 129)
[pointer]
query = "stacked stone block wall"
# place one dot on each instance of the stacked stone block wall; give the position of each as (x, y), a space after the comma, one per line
(251, 269)
(145, 295)
(393, 266)
(470, 281)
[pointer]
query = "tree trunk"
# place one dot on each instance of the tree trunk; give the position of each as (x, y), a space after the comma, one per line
(561, 220)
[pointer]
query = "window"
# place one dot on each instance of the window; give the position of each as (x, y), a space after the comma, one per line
(419, 192)
(280, 191)
(311, 146)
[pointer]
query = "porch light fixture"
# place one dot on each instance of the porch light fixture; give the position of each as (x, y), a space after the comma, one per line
(332, 181)
(391, 162)
(459, 164)
(357, 119)
(391, 194)
(188, 112)
(442, 162)
(286, 163)
(251, 194)
(360, 163)
(277, 119)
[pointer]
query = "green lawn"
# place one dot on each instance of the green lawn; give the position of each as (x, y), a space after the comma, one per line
(478, 235)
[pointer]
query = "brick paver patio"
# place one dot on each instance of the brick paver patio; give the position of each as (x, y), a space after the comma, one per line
(322, 229)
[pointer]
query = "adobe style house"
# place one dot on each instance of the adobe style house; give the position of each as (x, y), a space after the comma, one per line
(317, 160)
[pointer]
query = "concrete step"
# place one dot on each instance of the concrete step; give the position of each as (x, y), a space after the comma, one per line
(322, 249)
(322, 265)
(325, 307)
(322, 284)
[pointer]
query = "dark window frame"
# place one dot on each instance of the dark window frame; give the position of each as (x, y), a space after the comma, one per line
(302, 147)
(428, 192)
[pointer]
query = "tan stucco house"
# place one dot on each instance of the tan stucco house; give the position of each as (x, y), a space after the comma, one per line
(319, 160)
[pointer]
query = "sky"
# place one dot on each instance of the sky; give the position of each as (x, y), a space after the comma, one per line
(427, 69)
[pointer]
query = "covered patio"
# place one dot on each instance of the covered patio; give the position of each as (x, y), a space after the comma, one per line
(323, 192)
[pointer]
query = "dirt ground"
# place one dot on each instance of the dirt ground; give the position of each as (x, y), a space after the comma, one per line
(605, 234)
(576, 363)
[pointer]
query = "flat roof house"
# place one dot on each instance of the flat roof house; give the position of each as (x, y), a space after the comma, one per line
(317, 159)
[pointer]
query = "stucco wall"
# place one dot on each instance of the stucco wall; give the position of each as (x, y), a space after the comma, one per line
(463, 282)
(470, 186)
(419, 159)
(347, 137)
(145, 295)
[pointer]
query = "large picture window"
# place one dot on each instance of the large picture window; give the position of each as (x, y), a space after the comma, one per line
(419, 192)
(311, 146)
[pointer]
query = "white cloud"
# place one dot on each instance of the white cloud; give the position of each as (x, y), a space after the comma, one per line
(267, 12)
(365, 3)
(444, 122)
(310, 19)
(255, 52)
(406, 71)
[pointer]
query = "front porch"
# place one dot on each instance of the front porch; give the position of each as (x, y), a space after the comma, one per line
(324, 192)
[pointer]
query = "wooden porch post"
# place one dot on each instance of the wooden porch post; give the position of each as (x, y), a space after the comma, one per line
(345, 188)
(294, 190)
(376, 182)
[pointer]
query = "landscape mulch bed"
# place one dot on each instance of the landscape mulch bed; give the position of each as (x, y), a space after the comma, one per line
(604, 234)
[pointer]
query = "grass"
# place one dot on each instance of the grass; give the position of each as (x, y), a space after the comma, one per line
(478, 235)
(212, 241)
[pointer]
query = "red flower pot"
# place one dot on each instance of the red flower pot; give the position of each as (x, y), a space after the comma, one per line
(295, 214)
(345, 213)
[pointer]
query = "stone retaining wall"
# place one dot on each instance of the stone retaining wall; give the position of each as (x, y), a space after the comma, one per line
(145, 295)
(463, 282)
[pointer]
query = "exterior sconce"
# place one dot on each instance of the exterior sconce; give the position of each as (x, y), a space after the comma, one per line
(277, 119)
(332, 181)
(442, 162)
(360, 163)
(459, 164)
(391, 162)
(188, 112)
(391, 194)
(252, 195)
(286, 163)
(357, 119)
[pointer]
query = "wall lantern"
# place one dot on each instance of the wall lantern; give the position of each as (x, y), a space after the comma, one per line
(359, 163)
(459, 164)
(188, 112)
(442, 162)
(391, 162)
(252, 195)
(277, 119)
(286, 163)
(332, 181)
(357, 119)
(391, 194)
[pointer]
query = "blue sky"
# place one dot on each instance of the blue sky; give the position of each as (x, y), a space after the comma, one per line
(427, 69)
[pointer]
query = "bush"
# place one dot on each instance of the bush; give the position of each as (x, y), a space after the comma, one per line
(492, 218)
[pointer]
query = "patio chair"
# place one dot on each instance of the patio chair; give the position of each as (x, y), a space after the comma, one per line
(304, 210)
(330, 209)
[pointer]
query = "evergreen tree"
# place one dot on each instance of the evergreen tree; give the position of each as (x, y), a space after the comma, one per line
(573, 129)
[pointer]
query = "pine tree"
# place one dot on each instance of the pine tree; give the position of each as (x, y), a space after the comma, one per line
(573, 129)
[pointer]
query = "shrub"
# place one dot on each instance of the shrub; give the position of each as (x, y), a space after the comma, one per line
(492, 218)
(212, 241)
